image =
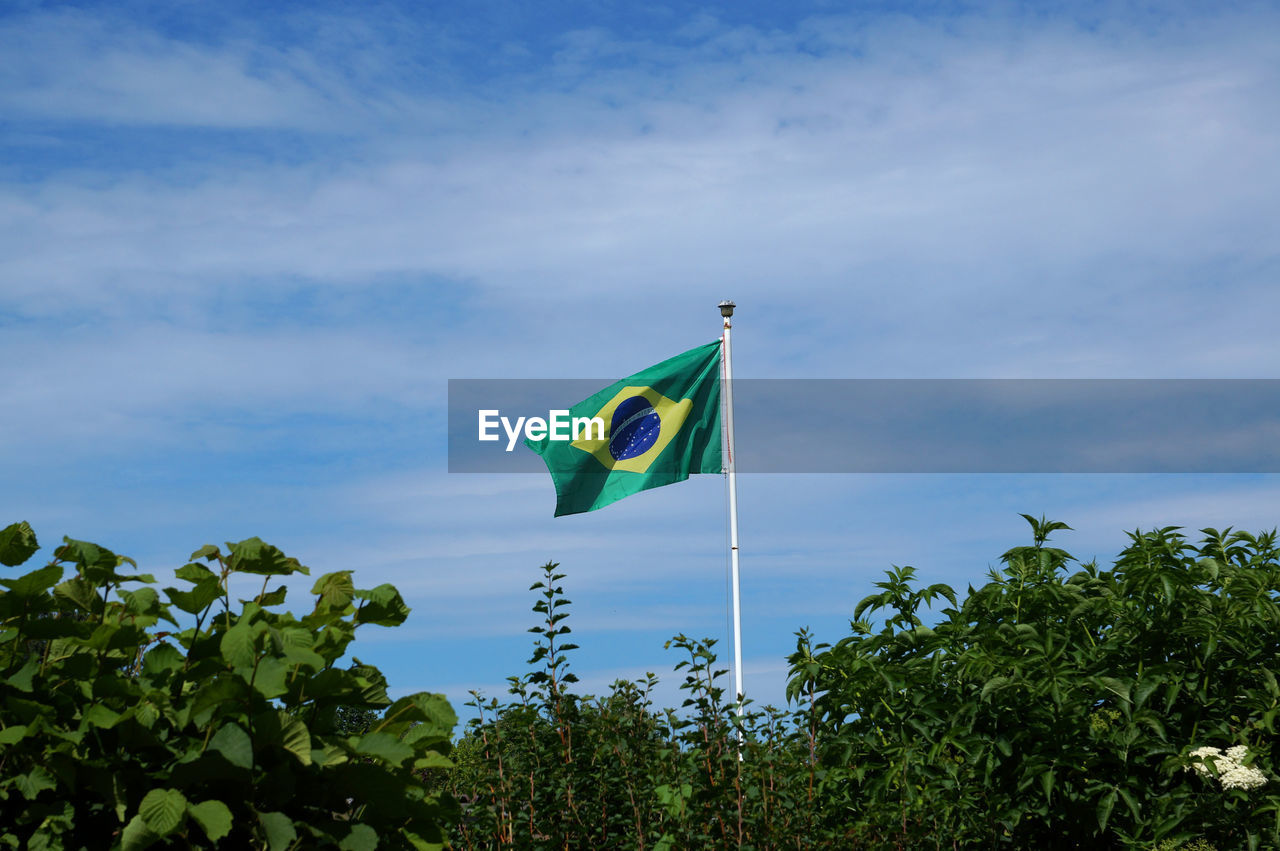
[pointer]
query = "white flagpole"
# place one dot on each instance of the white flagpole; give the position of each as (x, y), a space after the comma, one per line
(726, 310)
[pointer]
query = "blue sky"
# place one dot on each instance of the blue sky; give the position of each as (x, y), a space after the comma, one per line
(243, 247)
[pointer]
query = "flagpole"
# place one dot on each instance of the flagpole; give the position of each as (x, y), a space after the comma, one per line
(726, 310)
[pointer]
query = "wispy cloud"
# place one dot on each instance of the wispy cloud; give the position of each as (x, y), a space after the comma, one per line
(240, 254)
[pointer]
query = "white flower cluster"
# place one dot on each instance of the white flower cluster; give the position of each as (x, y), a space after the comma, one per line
(1232, 773)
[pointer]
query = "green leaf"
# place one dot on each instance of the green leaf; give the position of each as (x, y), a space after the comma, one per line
(673, 798)
(96, 563)
(137, 835)
(993, 684)
(163, 810)
(1117, 687)
(34, 782)
(253, 555)
(335, 591)
(234, 744)
(161, 659)
(224, 688)
(1105, 806)
(213, 817)
(270, 679)
(17, 543)
(298, 644)
(35, 583)
(272, 598)
(278, 830)
(430, 712)
(24, 678)
(383, 606)
(208, 551)
(1144, 689)
(384, 746)
(83, 593)
(197, 599)
(238, 645)
(296, 739)
(1130, 802)
(196, 573)
(361, 838)
(1046, 783)
(11, 735)
(102, 716)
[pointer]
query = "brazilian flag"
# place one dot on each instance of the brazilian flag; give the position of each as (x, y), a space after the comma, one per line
(661, 424)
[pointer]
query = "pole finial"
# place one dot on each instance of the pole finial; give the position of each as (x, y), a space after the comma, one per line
(726, 308)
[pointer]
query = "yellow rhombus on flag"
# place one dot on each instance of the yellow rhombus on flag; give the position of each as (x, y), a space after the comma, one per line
(661, 425)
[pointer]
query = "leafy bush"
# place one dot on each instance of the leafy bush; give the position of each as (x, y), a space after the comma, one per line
(1048, 709)
(1058, 706)
(1051, 710)
(226, 728)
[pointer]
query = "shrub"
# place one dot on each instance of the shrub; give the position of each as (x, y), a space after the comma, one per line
(1056, 710)
(1058, 706)
(128, 719)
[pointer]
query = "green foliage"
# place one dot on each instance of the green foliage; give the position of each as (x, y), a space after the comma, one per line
(224, 727)
(1054, 709)
(1059, 705)
(1050, 708)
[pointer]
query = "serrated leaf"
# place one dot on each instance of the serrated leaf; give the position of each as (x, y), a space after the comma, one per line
(137, 835)
(17, 543)
(361, 838)
(296, 739)
(161, 659)
(197, 599)
(98, 564)
(24, 678)
(195, 573)
(163, 810)
(11, 735)
(213, 817)
(34, 583)
(1143, 691)
(83, 593)
(278, 830)
(993, 684)
(335, 591)
(207, 551)
(34, 782)
(384, 746)
(1105, 805)
(382, 606)
(254, 555)
(1117, 687)
(272, 598)
(430, 712)
(234, 744)
(238, 645)
(329, 755)
(433, 760)
(222, 689)
(270, 678)
(298, 644)
(99, 715)
(1130, 802)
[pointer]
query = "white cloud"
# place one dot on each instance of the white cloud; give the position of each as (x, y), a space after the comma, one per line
(976, 196)
(953, 166)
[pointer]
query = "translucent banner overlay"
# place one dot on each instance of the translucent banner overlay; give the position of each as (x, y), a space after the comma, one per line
(933, 425)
